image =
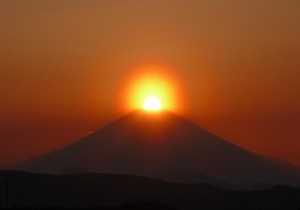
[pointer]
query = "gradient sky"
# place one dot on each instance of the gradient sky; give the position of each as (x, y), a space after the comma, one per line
(65, 67)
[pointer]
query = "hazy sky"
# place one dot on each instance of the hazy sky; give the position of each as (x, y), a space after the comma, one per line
(64, 67)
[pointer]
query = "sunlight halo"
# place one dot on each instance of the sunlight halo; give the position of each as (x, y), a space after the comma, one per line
(152, 103)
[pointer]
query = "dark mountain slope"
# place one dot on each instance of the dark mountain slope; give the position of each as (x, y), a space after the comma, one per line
(83, 190)
(143, 143)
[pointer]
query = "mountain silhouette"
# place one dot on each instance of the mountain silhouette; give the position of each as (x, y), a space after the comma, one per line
(98, 191)
(190, 177)
(143, 143)
(74, 170)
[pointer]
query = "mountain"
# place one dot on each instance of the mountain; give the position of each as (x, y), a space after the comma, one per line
(190, 177)
(79, 191)
(284, 163)
(74, 170)
(143, 143)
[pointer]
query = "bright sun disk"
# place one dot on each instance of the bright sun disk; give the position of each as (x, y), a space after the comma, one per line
(152, 103)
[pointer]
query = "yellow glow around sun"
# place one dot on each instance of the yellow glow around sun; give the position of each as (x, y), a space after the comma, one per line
(151, 88)
(152, 103)
(152, 93)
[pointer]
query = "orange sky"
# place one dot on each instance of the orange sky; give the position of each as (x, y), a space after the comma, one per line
(68, 68)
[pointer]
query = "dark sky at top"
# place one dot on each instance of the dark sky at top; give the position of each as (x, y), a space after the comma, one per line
(63, 66)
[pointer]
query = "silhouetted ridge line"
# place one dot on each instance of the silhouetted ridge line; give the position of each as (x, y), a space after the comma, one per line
(143, 143)
(114, 191)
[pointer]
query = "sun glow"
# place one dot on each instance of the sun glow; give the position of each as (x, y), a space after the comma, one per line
(152, 93)
(151, 88)
(152, 103)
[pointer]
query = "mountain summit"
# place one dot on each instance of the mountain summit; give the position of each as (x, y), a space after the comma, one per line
(143, 143)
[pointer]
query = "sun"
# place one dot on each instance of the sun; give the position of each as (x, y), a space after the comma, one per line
(152, 103)
(151, 88)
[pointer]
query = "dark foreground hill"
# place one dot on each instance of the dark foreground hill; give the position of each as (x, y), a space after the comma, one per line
(84, 190)
(143, 143)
